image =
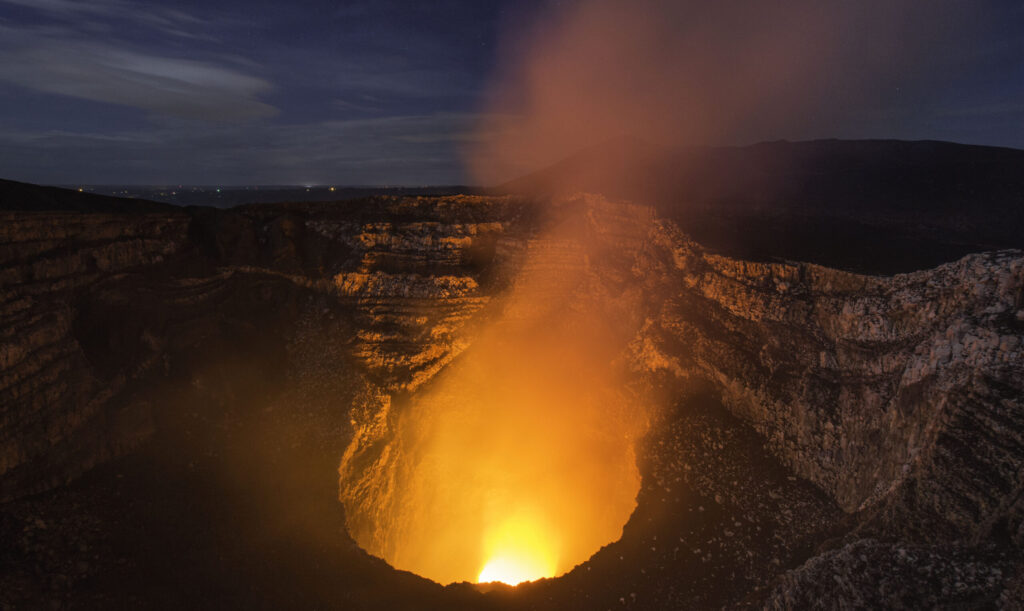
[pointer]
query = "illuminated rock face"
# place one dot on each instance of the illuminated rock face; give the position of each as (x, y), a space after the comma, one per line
(95, 304)
(900, 398)
(866, 386)
(873, 388)
(518, 461)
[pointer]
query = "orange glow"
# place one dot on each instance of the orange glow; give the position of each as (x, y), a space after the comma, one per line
(517, 461)
(519, 549)
(515, 466)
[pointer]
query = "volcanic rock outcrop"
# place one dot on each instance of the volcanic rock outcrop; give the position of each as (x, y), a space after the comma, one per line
(901, 391)
(899, 398)
(94, 302)
(56, 400)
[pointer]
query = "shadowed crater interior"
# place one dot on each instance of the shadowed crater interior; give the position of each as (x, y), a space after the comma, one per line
(365, 404)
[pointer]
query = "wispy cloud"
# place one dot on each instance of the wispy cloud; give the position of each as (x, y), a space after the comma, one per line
(169, 20)
(42, 59)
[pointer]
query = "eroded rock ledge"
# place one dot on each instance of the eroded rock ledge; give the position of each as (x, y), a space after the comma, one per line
(899, 392)
(97, 307)
(900, 397)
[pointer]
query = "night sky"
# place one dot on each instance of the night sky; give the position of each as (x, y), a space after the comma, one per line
(376, 92)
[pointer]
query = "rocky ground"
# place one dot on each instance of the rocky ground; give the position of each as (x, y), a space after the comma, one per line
(179, 387)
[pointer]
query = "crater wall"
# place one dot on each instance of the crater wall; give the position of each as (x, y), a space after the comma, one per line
(898, 396)
(901, 392)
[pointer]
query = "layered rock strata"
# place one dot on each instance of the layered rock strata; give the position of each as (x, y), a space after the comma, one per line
(900, 397)
(900, 390)
(50, 391)
(97, 307)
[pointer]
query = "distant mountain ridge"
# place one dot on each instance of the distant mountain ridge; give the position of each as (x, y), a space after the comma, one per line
(871, 206)
(26, 197)
(867, 205)
(124, 198)
(632, 167)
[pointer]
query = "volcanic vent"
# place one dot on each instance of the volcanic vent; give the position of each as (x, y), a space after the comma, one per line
(517, 461)
(513, 390)
(523, 456)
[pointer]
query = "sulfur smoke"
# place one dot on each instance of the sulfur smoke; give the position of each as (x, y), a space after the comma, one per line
(688, 72)
(519, 460)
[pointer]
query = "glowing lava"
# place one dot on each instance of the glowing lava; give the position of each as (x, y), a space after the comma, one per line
(519, 550)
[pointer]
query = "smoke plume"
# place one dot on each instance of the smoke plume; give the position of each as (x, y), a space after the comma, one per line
(692, 72)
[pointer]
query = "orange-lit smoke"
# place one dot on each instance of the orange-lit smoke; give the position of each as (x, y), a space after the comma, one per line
(519, 461)
(692, 72)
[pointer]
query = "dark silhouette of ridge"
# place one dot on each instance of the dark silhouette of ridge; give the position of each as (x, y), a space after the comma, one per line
(26, 197)
(871, 206)
(878, 206)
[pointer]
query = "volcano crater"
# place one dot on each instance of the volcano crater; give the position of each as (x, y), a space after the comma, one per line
(268, 401)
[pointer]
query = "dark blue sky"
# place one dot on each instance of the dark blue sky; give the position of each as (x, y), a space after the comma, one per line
(365, 92)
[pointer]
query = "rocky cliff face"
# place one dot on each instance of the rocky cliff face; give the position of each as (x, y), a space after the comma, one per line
(902, 391)
(899, 397)
(98, 306)
(53, 393)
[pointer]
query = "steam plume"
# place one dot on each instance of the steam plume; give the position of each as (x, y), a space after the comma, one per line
(695, 72)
